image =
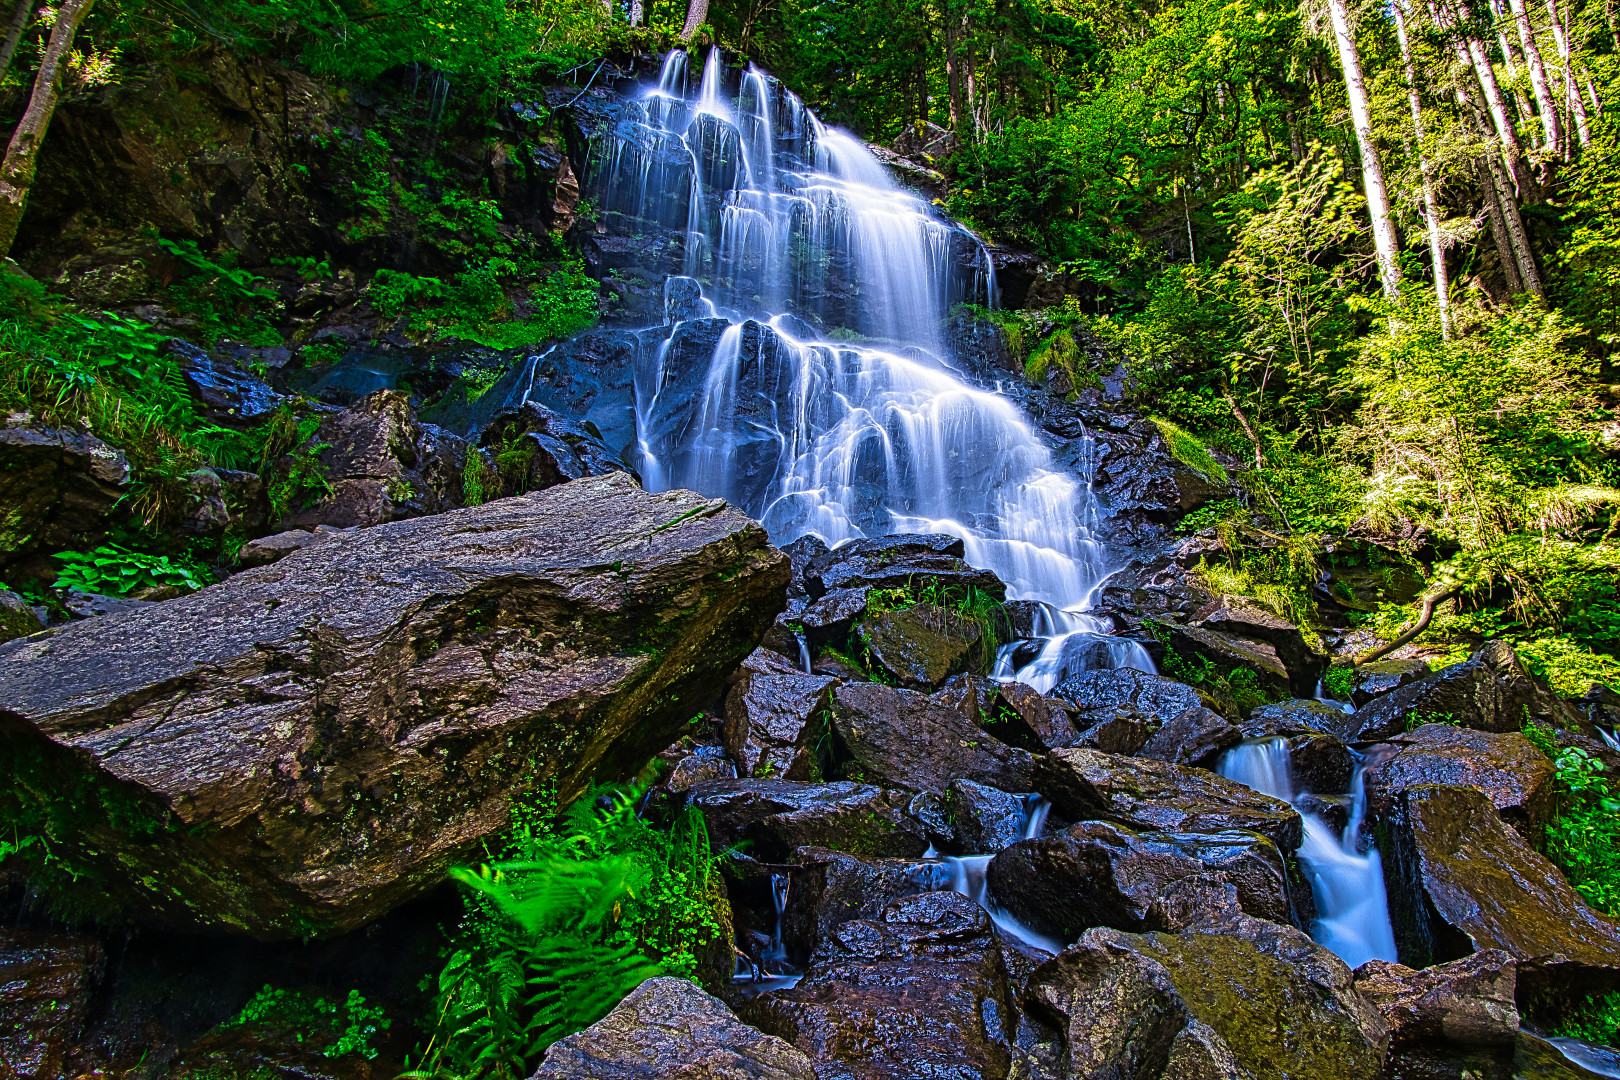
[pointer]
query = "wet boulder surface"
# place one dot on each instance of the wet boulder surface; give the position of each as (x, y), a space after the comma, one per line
(306, 745)
(1490, 691)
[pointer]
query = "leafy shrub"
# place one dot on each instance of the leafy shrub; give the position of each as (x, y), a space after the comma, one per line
(1190, 452)
(1338, 681)
(116, 571)
(1595, 1020)
(1584, 839)
(350, 1026)
(579, 912)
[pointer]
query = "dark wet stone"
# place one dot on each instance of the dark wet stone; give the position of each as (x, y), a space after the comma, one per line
(1237, 619)
(921, 991)
(829, 619)
(1238, 997)
(829, 888)
(1101, 692)
(57, 487)
(984, 819)
(1321, 764)
(1096, 873)
(778, 816)
(1468, 1002)
(267, 549)
(668, 1027)
(1461, 880)
(703, 764)
(1383, 677)
(308, 744)
(1300, 716)
(1148, 794)
(921, 646)
(545, 448)
(775, 717)
(801, 553)
(1194, 736)
(1490, 691)
(901, 561)
(17, 619)
(1513, 774)
(903, 739)
(47, 983)
(1022, 716)
(1261, 674)
(229, 396)
(1125, 732)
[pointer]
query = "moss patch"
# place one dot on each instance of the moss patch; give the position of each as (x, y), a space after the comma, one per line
(1190, 452)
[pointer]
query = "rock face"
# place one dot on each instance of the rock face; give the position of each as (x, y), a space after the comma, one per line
(1237, 998)
(1516, 776)
(309, 743)
(1468, 1001)
(778, 816)
(1195, 736)
(1299, 716)
(1148, 794)
(984, 819)
(1097, 873)
(902, 561)
(775, 716)
(668, 1027)
(921, 991)
(1461, 880)
(46, 983)
(1094, 692)
(1490, 691)
(1381, 677)
(921, 646)
(831, 887)
(904, 739)
(55, 486)
(535, 448)
(17, 619)
(1235, 618)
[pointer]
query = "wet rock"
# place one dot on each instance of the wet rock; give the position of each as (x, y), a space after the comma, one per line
(267, 549)
(969, 695)
(984, 819)
(921, 646)
(1022, 716)
(535, 448)
(1195, 736)
(801, 553)
(1126, 732)
(382, 465)
(308, 744)
(1382, 677)
(829, 620)
(1537, 1057)
(1234, 618)
(46, 986)
(218, 501)
(1239, 994)
(17, 619)
(1147, 794)
(775, 717)
(778, 816)
(900, 561)
(830, 888)
(1252, 669)
(703, 764)
(229, 396)
(1461, 880)
(921, 991)
(1299, 716)
(904, 739)
(57, 487)
(1490, 691)
(1320, 764)
(1099, 693)
(83, 605)
(1468, 1002)
(1096, 873)
(1513, 774)
(668, 1027)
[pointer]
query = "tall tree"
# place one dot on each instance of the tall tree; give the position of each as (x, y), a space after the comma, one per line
(697, 13)
(1372, 168)
(19, 23)
(1572, 93)
(1478, 57)
(1431, 210)
(1548, 108)
(22, 155)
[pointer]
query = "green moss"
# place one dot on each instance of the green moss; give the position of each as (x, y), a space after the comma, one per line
(1190, 452)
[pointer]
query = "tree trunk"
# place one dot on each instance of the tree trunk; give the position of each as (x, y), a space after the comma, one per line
(1372, 169)
(1499, 233)
(22, 155)
(1550, 125)
(1572, 94)
(953, 69)
(1518, 239)
(697, 13)
(637, 11)
(1431, 211)
(1480, 61)
(19, 23)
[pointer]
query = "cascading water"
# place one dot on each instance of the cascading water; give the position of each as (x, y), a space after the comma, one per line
(809, 382)
(1346, 881)
(966, 874)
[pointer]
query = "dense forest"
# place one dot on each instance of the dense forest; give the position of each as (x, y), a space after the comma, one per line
(1357, 268)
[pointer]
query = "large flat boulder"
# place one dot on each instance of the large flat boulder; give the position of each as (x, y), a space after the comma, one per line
(1490, 691)
(668, 1027)
(919, 991)
(908, 740)
(1148, 794)
(1518, 778)
(307, 744)
(1461, 880)
(902, 561)
(1100, 693)
(777, 816)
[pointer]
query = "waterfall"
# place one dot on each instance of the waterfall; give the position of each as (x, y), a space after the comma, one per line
(828, 403)
(1346, 882)
(966, 874)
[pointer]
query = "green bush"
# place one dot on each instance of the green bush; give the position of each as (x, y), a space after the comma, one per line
(345, 1028)
(1584, 839)
(116, 571)
(1190, 452)
(577, 913)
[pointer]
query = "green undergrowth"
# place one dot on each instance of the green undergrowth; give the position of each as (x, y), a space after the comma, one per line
(331, 1028)
(1278, 574)
(1238, 685)
(476, 305)
(576, 912)
(1583, 838)
(1190, 452)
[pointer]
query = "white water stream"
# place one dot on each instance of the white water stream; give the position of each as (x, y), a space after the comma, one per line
(1347, 878)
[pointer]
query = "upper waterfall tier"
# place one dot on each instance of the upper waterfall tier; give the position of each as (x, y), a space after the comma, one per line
(801, 370)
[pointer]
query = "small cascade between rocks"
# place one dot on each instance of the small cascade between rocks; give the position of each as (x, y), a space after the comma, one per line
(1347, 879)
(774, 971)
(967, 875)
(801, 370)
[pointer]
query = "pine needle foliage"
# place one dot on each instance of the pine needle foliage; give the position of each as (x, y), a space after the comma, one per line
(579, 912)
